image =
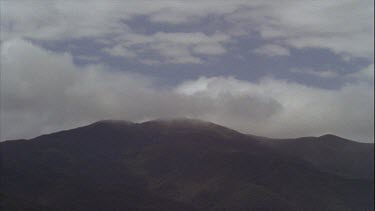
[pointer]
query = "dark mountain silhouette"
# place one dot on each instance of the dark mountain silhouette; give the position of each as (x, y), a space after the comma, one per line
(182, 164)
(331, 154)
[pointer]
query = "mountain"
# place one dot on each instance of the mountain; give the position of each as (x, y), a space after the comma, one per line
(180, 164)
(330, 153)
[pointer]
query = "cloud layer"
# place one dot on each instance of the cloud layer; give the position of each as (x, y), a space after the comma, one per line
(43, 91)
(305, 41)
(345, 27)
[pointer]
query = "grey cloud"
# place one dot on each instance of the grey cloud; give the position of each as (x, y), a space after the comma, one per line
(272, 50)
(300, 110)
(62, 19)
(44, 92)
(344, 27)
(120, 51)
(316, 73)
(172, 47)
(209, 49)
(366, 74)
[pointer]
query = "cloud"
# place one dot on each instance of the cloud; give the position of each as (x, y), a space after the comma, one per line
(343, 27)
(366, 74)
(182, 12)
(316, 73)
(106, 22)
(301, 110)
(43, 91)
(272, 50)
(120, 51)
(209, 49)
(90, 59)
(179, 47)
(57, 20)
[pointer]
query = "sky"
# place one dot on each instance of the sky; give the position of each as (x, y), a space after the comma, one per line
(277, 68)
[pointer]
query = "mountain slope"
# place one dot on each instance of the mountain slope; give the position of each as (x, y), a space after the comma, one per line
(331, 154)
(168, 165)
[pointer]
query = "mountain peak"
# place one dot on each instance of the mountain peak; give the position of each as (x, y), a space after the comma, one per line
(328, 135)
(335, 139)
(179, 121)
(189, 125)
(185, 123)
(113, 122)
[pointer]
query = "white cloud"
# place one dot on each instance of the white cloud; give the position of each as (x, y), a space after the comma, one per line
(366, 74)
(105, 21)
(344, 27)
(179, 46)
(55, 20)
(300, 110)
(180, 12)
(173, 47)
(42, 92)
(209, 49)
(120, 51)
(316, 73)
(272, 50)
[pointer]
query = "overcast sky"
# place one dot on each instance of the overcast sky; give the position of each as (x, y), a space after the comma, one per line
(282, 68)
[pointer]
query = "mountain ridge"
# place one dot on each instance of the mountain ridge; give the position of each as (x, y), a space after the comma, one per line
(183, 165)
(191, 121)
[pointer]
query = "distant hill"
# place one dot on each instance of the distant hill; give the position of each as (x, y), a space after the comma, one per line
(330, 153)
(183, 164)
